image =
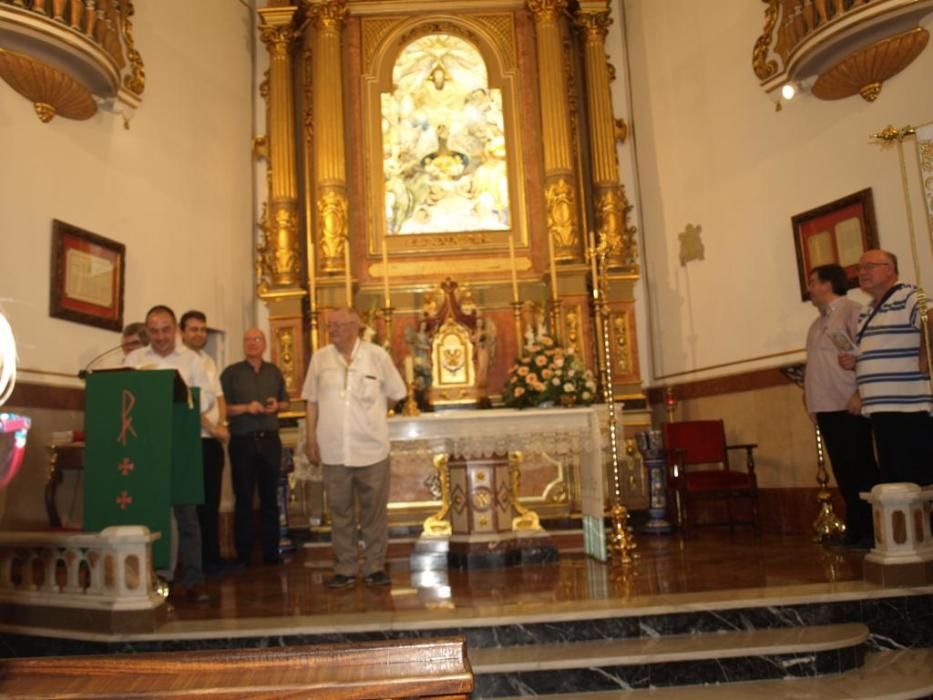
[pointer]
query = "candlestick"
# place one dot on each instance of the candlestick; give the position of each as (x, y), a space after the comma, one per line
(385, 273)
(512, 265)
(347, 284)
(409, 369)
(591, 239)
(550, 252)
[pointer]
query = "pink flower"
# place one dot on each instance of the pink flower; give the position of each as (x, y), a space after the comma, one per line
(532, 378)
(540, 360)
(519, 391)
(556, 381)
(522, 371)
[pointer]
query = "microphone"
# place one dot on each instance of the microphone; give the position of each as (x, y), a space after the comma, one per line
(87, 368)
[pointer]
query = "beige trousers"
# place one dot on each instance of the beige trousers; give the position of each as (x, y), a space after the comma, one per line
(370, 486)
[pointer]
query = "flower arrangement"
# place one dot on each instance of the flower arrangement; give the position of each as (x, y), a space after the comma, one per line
(549, 374)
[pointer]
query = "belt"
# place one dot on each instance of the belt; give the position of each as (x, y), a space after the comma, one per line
(260, 434)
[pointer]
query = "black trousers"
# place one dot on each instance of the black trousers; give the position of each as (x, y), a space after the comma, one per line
(208, 514)
(849, 444)
(255, 461)
(905, 446)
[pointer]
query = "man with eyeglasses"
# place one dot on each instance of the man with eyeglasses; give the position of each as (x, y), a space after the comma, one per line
(349, 387)
(891, 372)
(832, 398)
(255, 393)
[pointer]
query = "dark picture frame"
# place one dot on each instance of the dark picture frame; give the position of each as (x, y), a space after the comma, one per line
(87, 277)
(837, 232)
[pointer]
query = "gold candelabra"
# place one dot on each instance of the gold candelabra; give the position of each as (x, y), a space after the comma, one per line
(827, 525)
(621, 542)
(387, 312)
(519, 335)
(411, 405)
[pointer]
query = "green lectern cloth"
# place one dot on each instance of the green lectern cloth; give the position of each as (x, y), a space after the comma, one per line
(142, 452)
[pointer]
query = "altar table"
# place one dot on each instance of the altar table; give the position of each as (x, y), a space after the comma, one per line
(478, 455)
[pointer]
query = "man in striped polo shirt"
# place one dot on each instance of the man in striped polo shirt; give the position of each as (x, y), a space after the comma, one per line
(891, 371)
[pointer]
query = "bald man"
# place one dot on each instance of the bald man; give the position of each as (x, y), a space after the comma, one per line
(255, 393)
(891, 372)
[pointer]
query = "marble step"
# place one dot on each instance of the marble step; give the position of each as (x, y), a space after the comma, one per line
(885, 675)
(710, 657)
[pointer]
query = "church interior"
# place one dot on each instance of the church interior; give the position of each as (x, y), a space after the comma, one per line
(623, 196)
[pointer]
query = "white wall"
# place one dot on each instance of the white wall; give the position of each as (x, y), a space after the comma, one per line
(176, 187)
(712, 151)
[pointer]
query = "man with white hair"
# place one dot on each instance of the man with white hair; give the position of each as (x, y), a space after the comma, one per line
(349, 387)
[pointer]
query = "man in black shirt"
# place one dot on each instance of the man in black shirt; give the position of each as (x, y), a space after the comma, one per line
(255, 393)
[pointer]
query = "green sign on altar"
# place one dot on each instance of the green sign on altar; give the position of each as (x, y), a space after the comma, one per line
(142, 451)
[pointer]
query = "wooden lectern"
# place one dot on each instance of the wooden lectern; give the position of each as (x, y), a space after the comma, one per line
(142, 452)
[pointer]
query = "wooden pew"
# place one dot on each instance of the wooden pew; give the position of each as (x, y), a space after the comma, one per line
(428, 668)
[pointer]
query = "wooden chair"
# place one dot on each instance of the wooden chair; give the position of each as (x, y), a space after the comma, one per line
(699, 470)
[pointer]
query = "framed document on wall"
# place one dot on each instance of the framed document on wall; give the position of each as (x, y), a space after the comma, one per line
(837, 232)
(87, 277)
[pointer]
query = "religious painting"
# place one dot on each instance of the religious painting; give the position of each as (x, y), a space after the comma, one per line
(837, 232)
(440, 120)
(87, 277)
(444, 141)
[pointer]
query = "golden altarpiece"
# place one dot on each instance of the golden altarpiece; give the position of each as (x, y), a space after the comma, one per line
(437, 165)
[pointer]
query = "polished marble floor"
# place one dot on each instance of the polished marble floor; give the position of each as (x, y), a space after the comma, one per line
(712, 565)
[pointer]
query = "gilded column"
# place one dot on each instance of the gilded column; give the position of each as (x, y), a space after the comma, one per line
(280, 257)
(560, 195)
(330, 170)
(609, 200)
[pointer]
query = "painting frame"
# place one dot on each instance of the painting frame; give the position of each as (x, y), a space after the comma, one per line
(837, 232)
(87, 277)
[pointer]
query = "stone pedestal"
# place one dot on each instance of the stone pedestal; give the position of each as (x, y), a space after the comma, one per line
(486, 526)
(903, 551)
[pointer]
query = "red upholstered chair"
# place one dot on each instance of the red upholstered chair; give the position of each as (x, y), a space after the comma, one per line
(699, 470)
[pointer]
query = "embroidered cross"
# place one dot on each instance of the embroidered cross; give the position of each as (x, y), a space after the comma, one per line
(126, 466)
(123, 500)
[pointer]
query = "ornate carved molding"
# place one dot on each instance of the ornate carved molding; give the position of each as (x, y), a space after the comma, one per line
(87, 52)
(865, 71)
(802, 37)
(328, 15)
(546, 10)
(51, 91)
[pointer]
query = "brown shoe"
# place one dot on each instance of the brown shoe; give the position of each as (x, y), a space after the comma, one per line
(198, 594)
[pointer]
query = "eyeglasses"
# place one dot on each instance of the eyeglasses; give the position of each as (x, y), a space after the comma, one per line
(870, 265)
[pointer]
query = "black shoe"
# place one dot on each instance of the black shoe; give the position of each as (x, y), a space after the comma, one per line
(341, 581)
(377, 578)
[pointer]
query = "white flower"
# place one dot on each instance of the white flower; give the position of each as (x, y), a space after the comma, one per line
(568, 388)
(556, 381)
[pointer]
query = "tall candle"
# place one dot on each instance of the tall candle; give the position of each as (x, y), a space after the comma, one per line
(512, 265)
(347, 284)
(409, 369)
(385, 274)
(550, 252)
(592, 250)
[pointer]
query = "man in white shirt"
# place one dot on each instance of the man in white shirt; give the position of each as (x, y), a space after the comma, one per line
(164, 352)
(349, 387)
(193, 326)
